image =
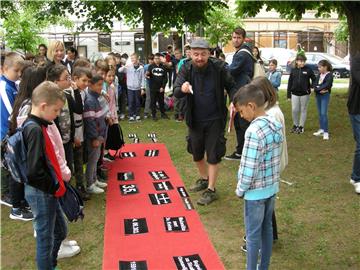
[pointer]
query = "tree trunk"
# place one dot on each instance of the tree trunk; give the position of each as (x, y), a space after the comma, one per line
(147, 18)
(352, 11)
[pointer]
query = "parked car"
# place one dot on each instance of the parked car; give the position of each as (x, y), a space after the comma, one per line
(280, 54)
(340, 70)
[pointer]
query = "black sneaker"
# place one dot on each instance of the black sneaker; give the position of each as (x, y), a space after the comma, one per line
(300, 130)
(21, 214)
(6, 200)
(244, 238)
(207, 197)
(164, 116)
(199, 185)
(294, 129)
(233, 156)
(84, 195)
(243, 248)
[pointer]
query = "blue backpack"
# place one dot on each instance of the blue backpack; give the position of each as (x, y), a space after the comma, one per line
(72, 204)
(14, 154)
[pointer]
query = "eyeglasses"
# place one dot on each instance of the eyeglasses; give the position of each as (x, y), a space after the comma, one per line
(68, 78)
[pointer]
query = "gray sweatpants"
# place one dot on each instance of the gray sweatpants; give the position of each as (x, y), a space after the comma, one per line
(299, 105)
(93, 157)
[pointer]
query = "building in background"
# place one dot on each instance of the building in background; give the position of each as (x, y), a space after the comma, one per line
(267, 29)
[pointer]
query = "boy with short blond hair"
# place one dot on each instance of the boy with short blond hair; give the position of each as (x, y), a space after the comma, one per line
(45, 184)
(259, 173)
(11, 191)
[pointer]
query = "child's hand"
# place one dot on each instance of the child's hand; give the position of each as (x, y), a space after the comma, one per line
(107, 97)
(324, 91)
(95, 143)
(142, 92)
(77, 142)
(161, 90)
(110, 121)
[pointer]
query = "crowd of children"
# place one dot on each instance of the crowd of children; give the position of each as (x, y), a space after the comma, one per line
(73, 110)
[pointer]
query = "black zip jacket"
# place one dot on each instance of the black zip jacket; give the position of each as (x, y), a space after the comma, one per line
(299, 81)
(325, 85)
(353, 103)
(223, 80)
(39, 175)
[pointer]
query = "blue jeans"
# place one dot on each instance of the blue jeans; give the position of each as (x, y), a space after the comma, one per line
(355, 123)
(322, 102)
(259, 232)
(49, 224)
(134, 102)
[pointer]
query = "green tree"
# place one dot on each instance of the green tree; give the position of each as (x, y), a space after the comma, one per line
(154, 15)
(23, 28)
(342, 30)
(293, 10)
(22, 31)
(222, 22)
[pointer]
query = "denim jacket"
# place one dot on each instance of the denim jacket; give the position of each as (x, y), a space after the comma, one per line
(274, 78)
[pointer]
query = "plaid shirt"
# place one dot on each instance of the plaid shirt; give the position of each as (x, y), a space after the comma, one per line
(259, 171)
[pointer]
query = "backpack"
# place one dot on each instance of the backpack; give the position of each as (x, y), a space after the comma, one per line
(71, 203)
(14, 154)
(258, 68)
(115, 138)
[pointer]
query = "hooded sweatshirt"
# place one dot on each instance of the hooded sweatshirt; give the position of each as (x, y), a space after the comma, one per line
(259, 171)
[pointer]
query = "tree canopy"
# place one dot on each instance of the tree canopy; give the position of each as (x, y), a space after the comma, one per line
(154, 15)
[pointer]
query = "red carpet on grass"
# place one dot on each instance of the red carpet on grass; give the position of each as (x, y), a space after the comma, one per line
(142, 234)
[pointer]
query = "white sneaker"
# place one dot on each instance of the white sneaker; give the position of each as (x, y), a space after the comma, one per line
(318, 133)
(69, 243)
(138, 118)
(100, 184)
(357, 187)
(326, 136)
(122, 116)
(93, 189)
(352, 181)
(68, 251)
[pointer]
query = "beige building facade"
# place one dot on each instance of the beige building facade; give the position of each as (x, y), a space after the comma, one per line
(267, 29)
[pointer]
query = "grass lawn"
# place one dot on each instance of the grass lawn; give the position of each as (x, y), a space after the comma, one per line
(318, 216)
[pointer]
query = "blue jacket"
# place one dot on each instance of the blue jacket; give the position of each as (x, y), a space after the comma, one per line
(135, 77)
(274, 78)
(242, 67)
(9, 89)
(94, 119)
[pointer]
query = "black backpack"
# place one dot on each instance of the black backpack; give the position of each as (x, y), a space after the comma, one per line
(115, 138)
(71, 203)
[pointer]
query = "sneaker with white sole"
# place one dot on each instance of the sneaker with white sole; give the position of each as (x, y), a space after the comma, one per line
(93, 189)
(66, 251)
(131, 119)
(357, 187)
(352, 181)
(100, 184)
(138, 118)
(21, 214)
(326, 136)
(6, 200)
(319, 133)
(67, 242)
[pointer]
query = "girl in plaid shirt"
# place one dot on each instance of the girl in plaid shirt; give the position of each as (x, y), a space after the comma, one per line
(259, 173)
